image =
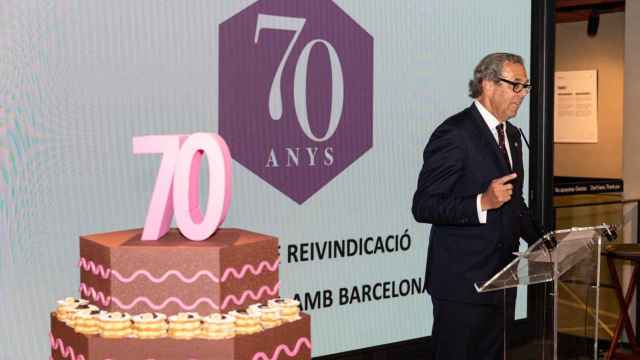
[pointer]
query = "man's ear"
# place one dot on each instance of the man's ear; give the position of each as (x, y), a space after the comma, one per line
(488, 86)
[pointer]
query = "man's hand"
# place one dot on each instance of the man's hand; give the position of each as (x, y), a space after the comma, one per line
(498, 192)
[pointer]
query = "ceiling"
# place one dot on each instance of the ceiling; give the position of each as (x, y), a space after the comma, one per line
(579, 10)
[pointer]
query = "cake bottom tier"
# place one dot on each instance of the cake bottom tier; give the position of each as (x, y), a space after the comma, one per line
(288, 341)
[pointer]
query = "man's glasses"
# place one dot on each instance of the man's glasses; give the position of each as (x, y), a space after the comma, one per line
(517, 87)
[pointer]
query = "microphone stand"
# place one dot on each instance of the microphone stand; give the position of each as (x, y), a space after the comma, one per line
(549, 241)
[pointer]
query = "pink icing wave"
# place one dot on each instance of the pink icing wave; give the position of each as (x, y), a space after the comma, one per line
(248, 293)
(105, 273)
(95, 295)
(106, 300)
(64, 350)
(95, 269)
(239, 275)
(286, 349)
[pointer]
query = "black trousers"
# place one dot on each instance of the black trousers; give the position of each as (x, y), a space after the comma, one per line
(463, 331)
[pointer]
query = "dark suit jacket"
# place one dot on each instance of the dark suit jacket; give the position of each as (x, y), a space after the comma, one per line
(460, 161)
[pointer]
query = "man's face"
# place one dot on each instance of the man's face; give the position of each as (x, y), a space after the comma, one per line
(503, 100)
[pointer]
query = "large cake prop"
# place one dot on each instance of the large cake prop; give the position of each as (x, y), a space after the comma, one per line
(195, 292)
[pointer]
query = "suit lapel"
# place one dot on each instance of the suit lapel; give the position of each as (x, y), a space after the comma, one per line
(487, 140)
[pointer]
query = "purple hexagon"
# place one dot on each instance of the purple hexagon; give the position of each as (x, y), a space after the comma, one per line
(296, 92)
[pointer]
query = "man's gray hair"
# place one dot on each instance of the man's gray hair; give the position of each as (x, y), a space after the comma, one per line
(490, 69)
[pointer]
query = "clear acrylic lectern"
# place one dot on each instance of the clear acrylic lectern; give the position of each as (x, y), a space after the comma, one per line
(567, 264)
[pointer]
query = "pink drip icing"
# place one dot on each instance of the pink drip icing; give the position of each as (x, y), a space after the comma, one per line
(291, 353)
(105, 273)
(106, 300)
(65, 351)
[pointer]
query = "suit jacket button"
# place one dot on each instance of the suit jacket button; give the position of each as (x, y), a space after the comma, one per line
(500, 244)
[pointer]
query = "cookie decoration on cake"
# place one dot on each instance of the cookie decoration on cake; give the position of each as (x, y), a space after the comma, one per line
(289, 308)
(88, 322)
(184, 326)
(218, 326)
(67, 306)
(247, 323)
(269, 315)
(115, 325)
(150, 326)
(71, 315)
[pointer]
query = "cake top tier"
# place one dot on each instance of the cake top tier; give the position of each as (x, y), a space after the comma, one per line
(232, 269)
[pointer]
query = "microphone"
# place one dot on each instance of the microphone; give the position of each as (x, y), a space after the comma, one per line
(524, 137)
(549, 243)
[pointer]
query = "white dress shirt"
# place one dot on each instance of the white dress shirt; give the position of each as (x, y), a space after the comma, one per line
(491, 123)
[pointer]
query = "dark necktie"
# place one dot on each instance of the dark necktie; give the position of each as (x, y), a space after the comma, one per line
(502, 145)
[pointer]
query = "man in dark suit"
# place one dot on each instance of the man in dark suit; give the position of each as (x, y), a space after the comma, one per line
(470, 190)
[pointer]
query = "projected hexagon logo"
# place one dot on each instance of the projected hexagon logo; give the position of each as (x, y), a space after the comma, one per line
(295, 92)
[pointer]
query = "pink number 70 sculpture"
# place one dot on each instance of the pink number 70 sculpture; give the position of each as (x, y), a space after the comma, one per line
(177, 185)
